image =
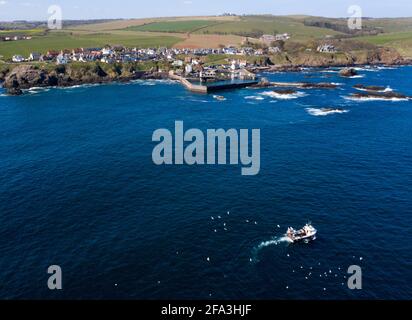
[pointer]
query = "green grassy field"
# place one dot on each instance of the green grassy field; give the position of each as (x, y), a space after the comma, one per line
(175, 26)
(240, 26)
(390, 25)
(270, 25)
(386, 38)
(216, 59)
(32, 32)
(401, 41)
(65, 40)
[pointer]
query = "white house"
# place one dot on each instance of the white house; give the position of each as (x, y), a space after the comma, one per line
(327, 48)
(151, 52)
(268, 38)
(235, 65)
(283, 36)
(210, 74)
(230, 51)
(243, 64)
(17, 58)
(177, 63)
(61, 59)
(107, 51)
(82, 58)
(274, 50)
(188, 68)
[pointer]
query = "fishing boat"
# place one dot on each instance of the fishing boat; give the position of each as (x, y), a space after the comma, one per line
(306, 234)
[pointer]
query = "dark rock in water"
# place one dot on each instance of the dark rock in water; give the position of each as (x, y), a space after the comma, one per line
(369, 88)
(348, 72)
(285, 91)
(14, 91)
(321, 85)
(383, 95)
(263, 83)
(154, 76)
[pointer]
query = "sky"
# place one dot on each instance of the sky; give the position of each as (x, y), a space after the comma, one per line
(106, 9)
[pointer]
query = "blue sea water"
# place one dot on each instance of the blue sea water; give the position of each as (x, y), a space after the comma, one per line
(78, 189)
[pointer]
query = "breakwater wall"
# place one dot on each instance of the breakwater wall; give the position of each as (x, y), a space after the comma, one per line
(211, 88)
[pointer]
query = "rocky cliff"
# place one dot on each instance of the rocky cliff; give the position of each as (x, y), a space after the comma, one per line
(385, 56)
(29, 76)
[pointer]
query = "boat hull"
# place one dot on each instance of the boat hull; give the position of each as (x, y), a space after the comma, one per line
(305, 239)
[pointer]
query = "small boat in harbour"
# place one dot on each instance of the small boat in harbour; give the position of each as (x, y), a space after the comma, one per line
(306, 234)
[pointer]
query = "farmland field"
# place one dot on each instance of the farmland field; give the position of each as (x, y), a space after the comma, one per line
(390, 25)
(31, 32)
(402, 41)
(124, 24)
(269, 25)
(175, 26)
(209, 40)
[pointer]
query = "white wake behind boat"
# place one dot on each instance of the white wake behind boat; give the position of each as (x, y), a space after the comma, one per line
(306, 234)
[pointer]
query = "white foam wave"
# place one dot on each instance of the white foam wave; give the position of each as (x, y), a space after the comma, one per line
(36, 90)
(364, 99)
(324, 112)
(329, 71)
(254, 98)
(368, 69)
(387, 89)
(386, 68)
(198, 100)
(282, 96)
(79, 86)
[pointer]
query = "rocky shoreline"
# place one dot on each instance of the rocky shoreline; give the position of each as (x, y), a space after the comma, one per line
(25, 77)
(28, 76)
